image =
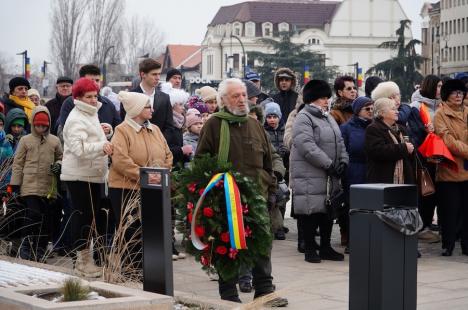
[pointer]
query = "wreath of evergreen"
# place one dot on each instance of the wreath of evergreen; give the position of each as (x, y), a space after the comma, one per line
(212, 225)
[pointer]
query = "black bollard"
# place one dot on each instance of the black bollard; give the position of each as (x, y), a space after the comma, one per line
(156, 230)
(383, 261)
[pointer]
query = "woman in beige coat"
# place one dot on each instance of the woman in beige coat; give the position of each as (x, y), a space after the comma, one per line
(137, 143)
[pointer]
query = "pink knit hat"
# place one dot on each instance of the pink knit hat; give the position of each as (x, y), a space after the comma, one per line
(192, 119)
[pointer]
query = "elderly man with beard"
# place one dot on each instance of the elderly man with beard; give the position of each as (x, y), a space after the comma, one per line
(244, 144)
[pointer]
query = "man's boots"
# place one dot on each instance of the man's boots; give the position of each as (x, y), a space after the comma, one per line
(84, 265)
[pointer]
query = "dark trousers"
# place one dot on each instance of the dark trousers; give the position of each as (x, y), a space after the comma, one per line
(427, 204)
(85, 198)
(310, 223)
(120, 198)
(262, 280)
(453, 205)
(37, 226)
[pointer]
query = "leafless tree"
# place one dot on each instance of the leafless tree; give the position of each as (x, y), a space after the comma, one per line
(141, 37)
(67, 34)
(106, 19)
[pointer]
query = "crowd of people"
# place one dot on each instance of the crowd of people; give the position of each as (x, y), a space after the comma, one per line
(80, 153)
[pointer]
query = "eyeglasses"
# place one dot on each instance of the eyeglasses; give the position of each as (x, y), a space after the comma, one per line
(350, 88)
(368, 109)
(147, 107)
(456, 93)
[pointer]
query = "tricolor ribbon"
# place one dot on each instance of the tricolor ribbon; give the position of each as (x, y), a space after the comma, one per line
(233, 211)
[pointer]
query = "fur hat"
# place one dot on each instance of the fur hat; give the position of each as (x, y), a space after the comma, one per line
(82, 86)
(172, 72)
(32, 92)
(450, 86)
(18, 81)
(272, 108)
(41, 118)
(206, 93)
(192, 119)
(252, 89)
(385, 90)
(133, 103)
(316, 89)
(359, 103)
(371, 84)
(287, 73)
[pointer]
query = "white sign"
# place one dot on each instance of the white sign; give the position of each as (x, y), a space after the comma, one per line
(199, 80)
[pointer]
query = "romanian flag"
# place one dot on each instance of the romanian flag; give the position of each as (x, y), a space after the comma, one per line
(233, 211)
(360, 77)
(306, 74)
(27, 68)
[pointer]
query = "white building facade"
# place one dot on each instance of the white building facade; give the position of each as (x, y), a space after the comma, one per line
(345, 32)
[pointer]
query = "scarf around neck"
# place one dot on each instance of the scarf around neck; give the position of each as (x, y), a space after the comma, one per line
(224, 136)
(178, 119)
(26, 104)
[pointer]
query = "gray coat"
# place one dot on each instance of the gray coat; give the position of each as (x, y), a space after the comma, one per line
(316, 144)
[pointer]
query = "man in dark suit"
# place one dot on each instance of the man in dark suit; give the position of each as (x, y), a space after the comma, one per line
(150, 74)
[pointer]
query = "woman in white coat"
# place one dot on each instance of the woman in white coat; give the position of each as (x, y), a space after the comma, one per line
(84, 168)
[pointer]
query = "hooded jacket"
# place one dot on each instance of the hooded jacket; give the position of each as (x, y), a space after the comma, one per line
(33, 158)
(414, 123)
(341, 110)
(83, 157)
(12, 115)
(285, 99)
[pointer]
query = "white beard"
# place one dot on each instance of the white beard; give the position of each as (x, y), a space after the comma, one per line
(238, 111)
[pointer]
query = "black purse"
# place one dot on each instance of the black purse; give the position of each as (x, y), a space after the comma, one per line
(335, 203)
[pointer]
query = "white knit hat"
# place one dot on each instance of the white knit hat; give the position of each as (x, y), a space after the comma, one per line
(133, 103)
(206, 93)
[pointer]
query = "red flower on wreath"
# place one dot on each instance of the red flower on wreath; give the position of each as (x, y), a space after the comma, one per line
(221, 250)
(224, 237)
(200, 192)
(232, 253)
(189, 217)
(208, 212)
(200, 231)
(204, 260)
(248, 231)
(192, 187)
(190, 205)
(245, 209)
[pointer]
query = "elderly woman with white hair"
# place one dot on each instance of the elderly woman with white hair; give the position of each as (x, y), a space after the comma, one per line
(388, 150)
(174, 133)
(391, 91)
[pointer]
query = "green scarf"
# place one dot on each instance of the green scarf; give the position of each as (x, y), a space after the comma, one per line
(224, 137)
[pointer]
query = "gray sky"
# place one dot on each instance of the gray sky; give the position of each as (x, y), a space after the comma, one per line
(182, 21)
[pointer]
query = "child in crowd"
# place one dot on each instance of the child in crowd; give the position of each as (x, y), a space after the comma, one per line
(37, 162)
(194, 125)
(16, 126)
(6, 152)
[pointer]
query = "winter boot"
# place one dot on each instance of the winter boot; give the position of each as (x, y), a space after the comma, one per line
(84, 265)
(328, 253)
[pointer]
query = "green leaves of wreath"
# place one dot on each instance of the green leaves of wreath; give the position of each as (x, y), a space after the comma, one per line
(212, 225)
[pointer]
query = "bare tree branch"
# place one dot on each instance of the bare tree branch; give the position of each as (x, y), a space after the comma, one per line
(67, 36)
(141, 37)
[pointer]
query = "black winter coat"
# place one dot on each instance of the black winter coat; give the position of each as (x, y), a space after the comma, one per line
(287, 102)
(383, 154)
(175, 141)
(54, 105)
(277, 139)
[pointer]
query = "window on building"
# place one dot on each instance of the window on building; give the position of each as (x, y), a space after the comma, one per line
(442, 27)
(458, 26)
(450, 27)
(250, 29)
(458, 53)
(283, 27)
(463, 25)
(267, 29)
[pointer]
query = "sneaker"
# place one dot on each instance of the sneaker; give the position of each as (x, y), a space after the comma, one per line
(279, 235)
(245, 287)
(428, 236)
(278, 302)
(181, 255)
(434, 227)
(175, 257)
(329, 254)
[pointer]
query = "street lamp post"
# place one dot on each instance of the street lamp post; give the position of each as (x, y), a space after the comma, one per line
(243, 52)
(25, 57)
(45, 82)
(104, 69)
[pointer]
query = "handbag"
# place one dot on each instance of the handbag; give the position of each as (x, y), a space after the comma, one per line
(425, 183)
(334, 202)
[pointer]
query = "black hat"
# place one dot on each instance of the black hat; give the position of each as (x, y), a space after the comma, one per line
(252, 89)
(64, 79)
(450, 86)
(316, 89)
(18, 81)
(172, 72)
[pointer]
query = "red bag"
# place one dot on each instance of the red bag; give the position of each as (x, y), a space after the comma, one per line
(435, 150)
